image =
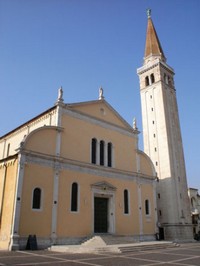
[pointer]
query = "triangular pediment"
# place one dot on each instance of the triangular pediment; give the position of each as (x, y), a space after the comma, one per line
(101, 110)
(104, 186)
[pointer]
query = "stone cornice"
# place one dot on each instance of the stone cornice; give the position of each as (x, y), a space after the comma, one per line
(153, 64)
(10, 160)
(73, 165)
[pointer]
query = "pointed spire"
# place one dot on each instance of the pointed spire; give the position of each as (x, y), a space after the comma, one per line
(153, 47)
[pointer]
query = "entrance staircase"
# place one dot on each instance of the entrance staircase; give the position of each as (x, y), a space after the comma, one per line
(113, 244)
(124, 244)
(106, 240)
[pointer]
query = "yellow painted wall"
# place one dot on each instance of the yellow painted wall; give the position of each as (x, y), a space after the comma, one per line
(101, 111)
(8, 201)
(148, 220)
(76, 143)
(42, 140)
(81, 223)
(127, 224)
(146, 166)
(36, 221)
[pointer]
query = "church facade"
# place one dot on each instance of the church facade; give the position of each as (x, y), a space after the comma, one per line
(72, 172)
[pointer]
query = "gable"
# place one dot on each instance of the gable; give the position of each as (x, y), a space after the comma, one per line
(100, 109)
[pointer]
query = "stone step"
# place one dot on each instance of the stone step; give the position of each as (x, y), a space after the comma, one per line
(95, 241)
(109, 240)
(146, 247)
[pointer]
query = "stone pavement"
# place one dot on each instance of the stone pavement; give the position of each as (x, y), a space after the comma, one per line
(187, 254)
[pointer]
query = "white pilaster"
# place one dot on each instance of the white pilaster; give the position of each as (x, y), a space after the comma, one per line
(105, 154)
(140, 209)
(55, 204)
(14, 245)
(98, 152)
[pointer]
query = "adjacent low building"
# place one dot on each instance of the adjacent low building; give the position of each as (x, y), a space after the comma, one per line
(195, 209)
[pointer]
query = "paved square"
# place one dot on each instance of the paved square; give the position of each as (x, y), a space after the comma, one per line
(185, 255)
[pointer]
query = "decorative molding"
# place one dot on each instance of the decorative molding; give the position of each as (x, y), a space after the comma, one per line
(105, 186)
(153, 64)
(72, 165)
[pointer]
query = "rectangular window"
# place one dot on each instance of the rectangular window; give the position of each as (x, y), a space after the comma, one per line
(109, 154)
(93, 151)
(147, 207)
(126, 202)
(102, 144)
(74, 197)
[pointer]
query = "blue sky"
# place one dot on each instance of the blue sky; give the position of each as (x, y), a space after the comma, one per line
(85, 44)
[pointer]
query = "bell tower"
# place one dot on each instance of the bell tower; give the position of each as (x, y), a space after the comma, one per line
(162, 138)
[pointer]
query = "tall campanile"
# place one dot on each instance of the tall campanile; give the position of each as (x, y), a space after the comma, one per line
(162, 139)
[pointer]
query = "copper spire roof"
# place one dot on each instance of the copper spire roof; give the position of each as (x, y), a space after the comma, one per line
(153, 46)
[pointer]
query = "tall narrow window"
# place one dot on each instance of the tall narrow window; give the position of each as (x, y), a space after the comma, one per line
(109, 154)
(94, 151)
(101, 152)
(74, 197)
(126, 202)
(147, 210)
(36, 203)
(146, 81)
(152, 78)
